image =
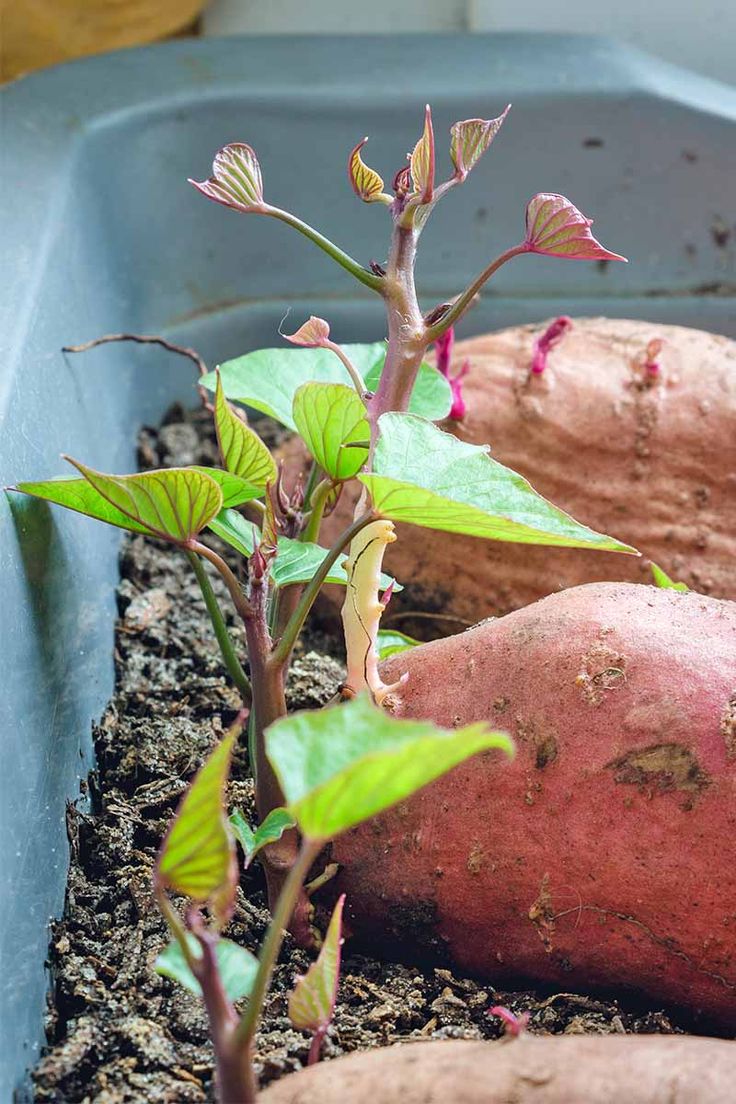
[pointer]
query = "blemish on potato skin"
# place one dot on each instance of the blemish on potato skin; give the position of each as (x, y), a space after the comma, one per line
(728, 727)
(660, 768)
(476, 858)
(602, 669)
(541, 738)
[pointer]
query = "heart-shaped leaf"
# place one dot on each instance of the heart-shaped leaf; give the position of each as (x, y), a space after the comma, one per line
(296, 561)
(270, 831)
(329, 416)
(555, 227)
(428, 477)
(197, 857)
(311, 334)
(80, 496)
(469, 140)
(268, 379)
(236, 179)
(243, 452)
(312, 1002)
(235, 491)
(390, 642)
(236, 966)
(341, 765)
(365, 182)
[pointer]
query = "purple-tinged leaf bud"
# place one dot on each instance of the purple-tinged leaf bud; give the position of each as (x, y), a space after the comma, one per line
(236, 179)
(513, 1025)
(365, 181)
(402, 183)
(556, 228)
(469, 140)
(387, 594)
(257, 565)
(312, 334)
(552, 336)
(443, 349)
(422, 161)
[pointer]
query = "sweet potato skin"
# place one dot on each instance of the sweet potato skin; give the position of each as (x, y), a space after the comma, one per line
(654, 466)
(597, 1069)
(604, 855)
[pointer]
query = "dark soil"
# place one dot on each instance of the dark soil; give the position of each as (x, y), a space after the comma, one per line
(117, 1031)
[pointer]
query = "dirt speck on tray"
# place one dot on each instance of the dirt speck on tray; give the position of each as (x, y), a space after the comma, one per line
(119, 1033)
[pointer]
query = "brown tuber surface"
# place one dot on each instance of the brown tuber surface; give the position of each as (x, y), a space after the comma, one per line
(595, 1069)
(647, 456)
(604, 856)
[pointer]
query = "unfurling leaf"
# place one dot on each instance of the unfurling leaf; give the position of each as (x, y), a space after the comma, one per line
(236, 966)
(312, 334)
(329, 416)
(173, 504)
(236, 179)
(270, 831)
(365, 182)
(555, 227)
(422, 161)
(469, 140)
(391, 642)
(662, 579)
(296, 562)
(197, 857)
(341, 765)
(312, 1002)
(428, 477)
(243, 452)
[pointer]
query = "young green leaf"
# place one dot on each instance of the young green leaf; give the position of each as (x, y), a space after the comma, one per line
(237, 967)
(235, 490)
(341, 765)
(422, 161)
(236, 179)
(428, 477)
(662, 579)
(270, 831)
(555, 227)
(267, 379)
(197, 857)
(365, 181)
(469, 140)
(390, 642)
(296, 562)
(312, 1002)
(243, 452)
(329, 416)
(173, 504)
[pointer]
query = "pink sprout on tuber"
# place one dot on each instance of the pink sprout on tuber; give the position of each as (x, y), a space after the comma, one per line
(551, 337)
(513, 1025)
(443, 347)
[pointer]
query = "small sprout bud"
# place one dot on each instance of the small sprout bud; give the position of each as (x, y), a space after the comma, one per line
(513, 1025)
(556, 228)
(552, 336)
(387, 594)
(402, 183)
(470, 139)
(312, 334)
(236, 179)
(365, 182)
(651, 363)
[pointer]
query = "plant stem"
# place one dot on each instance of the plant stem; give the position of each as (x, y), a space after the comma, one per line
(339, 255)
(237, 674)
(319, 501)
(245, 1031)
(461, 304)
(315, 1047)
(352, 371)
(241, 603)
(281, 652)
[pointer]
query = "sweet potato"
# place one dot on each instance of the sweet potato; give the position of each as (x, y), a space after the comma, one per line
(604, 856)
(597, 1069)
(648, 459)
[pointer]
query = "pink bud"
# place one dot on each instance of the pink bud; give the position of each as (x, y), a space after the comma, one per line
(555, 227)
(551, 337)
(312, 334)
(458, 408)
(513, 1025)
(387, 594)
(651, 363)
(443, 347)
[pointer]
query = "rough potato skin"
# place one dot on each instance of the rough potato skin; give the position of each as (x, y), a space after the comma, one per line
(604, 855)
(596, 1069)
(653, 465)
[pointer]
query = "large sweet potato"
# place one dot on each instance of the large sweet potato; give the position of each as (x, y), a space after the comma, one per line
(604, 856)
(650, 460)
(571, 1069)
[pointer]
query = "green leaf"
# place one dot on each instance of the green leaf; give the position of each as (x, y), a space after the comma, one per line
(235, 490)
(341, 765)
(327, 417)
(662, 579)
(295, 562)
(312, 1002)
(237, 967)
(173, 503)
(243, 451)
(271, 830)
(390, 642)
(197, 857)
(470, 138)
(268, 379)
(428, 477)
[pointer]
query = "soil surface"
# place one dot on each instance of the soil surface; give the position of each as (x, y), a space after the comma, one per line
(118, 1032)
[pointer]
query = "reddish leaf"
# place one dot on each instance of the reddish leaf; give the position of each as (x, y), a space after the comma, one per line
(470, 139)
(555, 227)
(312, 334)
(422, 161)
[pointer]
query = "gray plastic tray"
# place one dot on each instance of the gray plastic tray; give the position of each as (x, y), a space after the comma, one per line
(101, 233)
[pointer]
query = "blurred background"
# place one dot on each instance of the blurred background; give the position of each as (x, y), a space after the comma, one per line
(698, 34)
